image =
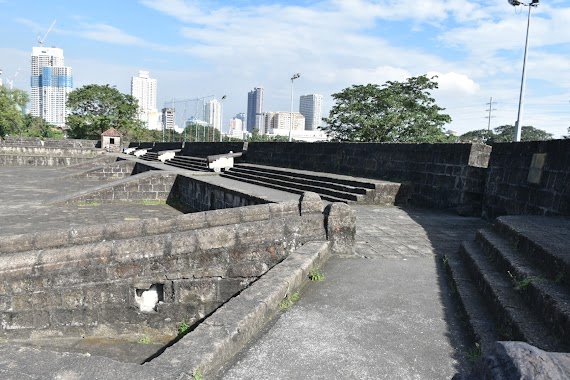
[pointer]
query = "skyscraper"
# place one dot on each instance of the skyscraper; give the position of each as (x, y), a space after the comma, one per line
(311, 106)
(51, 83)
(254, 109)
(168, 118)
(213, 114)
(143, 88)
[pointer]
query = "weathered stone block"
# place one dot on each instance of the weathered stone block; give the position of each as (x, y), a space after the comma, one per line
(341, 228)
(216, 237)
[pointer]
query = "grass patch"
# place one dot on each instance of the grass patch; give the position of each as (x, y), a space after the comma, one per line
(289, 300)
(144, 340)
(523, 283)
(474, 354)
(445, 261)
(316, 275)
(197, 375)
(153, 202)
(89, 204)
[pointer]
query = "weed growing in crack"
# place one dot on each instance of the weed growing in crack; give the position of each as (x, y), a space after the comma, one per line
(474, 354)
(316, 275)
(183, 328)
(197, 375)
(144, 340)
(289, 300)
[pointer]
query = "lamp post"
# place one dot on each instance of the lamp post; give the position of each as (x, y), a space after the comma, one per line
(296, 76)
(518, 124)
(222, 116)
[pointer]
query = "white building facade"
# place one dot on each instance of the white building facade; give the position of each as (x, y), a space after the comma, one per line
(213, 114)
(51, 84)
(168, 118)
(311, 107)
(143, 88)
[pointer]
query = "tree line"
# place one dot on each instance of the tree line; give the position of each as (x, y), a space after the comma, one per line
(393, 112)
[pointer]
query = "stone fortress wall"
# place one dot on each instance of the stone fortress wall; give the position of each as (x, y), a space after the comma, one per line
(528, 178)
(76, 281)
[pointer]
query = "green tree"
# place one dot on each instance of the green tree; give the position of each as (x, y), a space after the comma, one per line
(12, 102)
(258, 137)
(96, 108)
(505, 133)
(393, 112)
(483, 136)
(200, 133)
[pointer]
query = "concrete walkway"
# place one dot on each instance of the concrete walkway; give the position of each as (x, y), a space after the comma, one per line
(385, 314)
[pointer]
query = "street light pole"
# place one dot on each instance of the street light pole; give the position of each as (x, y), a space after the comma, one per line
(296, 76)
(222, 116)
(518, 124)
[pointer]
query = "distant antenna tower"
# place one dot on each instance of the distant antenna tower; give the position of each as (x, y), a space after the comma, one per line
(41, 40)
(490, 110)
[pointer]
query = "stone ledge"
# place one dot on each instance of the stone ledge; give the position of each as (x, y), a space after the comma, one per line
(214, 342)
(206, 349)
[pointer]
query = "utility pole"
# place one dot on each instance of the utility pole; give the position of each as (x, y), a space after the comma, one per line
(490, 110)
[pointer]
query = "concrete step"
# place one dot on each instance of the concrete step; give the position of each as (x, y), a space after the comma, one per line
(544, 240)
(149, 156)
(475, 313)
(189, 163)
(514, 319)
(326, 183)
(316, 176)
(546, 296)
(293, 190)
(323, 191)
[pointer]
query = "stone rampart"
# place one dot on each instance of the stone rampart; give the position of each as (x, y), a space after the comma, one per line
(48, 142)
(109, 171)
(49, 151)
(528, 178)
(152, 186)
(161, 146)
(442, 175)
(191, 265)
(204, 149)
(71, 143)
(197, 195)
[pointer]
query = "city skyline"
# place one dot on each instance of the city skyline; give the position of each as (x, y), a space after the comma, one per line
(474, 48)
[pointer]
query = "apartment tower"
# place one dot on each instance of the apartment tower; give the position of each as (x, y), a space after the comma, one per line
(51, 83)
(255, 109)
(311, 106)
(143, 88)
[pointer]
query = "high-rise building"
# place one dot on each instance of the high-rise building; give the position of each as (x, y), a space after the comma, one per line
(241, 116)
(254, 109)
(51, 83)
(279, 123)
(168, 118)
(311, 106)
(213, 114)
(143, 88)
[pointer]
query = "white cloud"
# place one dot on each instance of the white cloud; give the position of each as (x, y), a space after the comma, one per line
(454, 84)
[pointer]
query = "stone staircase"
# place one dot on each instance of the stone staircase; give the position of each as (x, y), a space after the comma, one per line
(149, 156)
(331, 187)
(189, 163)
(513, 282)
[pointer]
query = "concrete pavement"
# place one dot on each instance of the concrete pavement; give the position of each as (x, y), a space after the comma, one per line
(386, 313)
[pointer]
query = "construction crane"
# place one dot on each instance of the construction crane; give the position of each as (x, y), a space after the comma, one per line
(41, 40)
(10, 82)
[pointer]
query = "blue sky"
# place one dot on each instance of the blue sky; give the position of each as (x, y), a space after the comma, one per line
(201, 48)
